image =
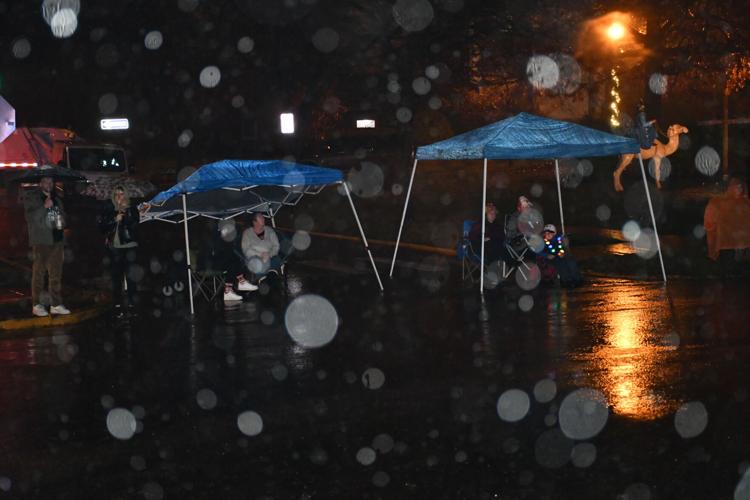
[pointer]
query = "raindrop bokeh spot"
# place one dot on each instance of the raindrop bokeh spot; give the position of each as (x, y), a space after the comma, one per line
(545, 390)
(21, 48)
(583, 414)
(326, 40)
(691, 419)
(245, 44)
(64, 23)
(657, 83)
(542, 72)
(413, 15)
(528, 279)
(513, 405)
(366, 456)
(583, 455)
(206, 399)
(250, 423)
(421, 85)
(153, 40)
(121, 423)
(373, 378)
(707, 161)
(209, 77)
(311, 321)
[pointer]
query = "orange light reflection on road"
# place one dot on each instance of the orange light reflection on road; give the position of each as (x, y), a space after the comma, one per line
(630, 366)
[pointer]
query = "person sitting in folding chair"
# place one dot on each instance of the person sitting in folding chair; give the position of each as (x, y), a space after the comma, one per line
(222, 257)
(554, 261)
(494, 236)
(260, 247)
(513, 234)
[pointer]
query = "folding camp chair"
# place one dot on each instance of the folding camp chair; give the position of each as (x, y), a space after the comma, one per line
(515, 254)
(208, 282)
(470, 260)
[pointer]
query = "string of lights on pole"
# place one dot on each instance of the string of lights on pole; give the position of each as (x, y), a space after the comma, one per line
(615, 32)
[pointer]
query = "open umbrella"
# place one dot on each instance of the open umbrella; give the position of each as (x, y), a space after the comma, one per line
(101, 186)
(7, 119)
(58, 174)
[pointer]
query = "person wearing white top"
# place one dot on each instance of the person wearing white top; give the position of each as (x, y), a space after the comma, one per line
(260, 246)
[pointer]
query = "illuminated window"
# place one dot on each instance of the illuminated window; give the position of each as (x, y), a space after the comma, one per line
(365, 123)
(114, 124)
(287, 123)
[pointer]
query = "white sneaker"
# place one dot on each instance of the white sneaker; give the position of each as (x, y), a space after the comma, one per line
(246, 286)
(230, 296)
(39, 310)
(61, 309)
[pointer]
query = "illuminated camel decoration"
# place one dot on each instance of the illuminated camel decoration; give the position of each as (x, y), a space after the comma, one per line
(657, 152)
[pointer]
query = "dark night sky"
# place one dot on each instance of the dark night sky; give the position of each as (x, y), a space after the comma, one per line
(70, 81)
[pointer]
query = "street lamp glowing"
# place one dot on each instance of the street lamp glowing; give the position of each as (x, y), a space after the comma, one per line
(616, 31)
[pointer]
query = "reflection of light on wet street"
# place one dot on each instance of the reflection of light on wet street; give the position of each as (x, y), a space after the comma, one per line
(621, 249)
(627, 364)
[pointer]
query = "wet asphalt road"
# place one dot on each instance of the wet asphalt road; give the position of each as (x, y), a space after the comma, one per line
(433, 429)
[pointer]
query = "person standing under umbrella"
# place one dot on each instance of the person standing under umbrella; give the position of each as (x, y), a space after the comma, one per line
(45, 217)
(119, 222)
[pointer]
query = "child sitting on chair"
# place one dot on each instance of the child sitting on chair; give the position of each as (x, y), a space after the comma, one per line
(553, 260)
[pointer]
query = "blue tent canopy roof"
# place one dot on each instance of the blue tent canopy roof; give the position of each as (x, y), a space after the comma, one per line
(245, 173)
(229, 188)
(527, 136)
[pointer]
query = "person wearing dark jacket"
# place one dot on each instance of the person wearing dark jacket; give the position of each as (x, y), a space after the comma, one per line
(553, 259)
(119, 223)
(45, 217)
(494, 236)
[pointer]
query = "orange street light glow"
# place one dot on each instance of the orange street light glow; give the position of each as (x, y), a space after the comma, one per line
(615, 31)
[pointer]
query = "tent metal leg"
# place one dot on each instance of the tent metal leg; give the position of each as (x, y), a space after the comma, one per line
(187, 254)
(484, 220)
(362, 233)
(403, 216)
(559, 196)
(653, 218)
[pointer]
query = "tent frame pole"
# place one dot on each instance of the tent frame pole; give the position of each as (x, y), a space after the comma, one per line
(187, 253)
(403, 217)
(362, 233)
(484, 222)
(559, 196)
(653, 218)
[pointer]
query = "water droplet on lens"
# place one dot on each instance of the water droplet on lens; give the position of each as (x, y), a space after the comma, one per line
(691, 419)
(583, 414)
(513, 405)
(366, 456)
(250, 423)
(206, 399)
(121, 423)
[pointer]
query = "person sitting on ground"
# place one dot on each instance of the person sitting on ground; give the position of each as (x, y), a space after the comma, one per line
(553, 257)
(45, 216)
(260, 246)
(222, 256)
(494, 235)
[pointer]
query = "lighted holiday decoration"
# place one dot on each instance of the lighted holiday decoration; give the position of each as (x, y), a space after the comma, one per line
(554, 246)
(614, 106)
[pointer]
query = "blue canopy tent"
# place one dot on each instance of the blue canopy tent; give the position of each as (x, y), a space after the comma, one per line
(526, 136)
(229, 188)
